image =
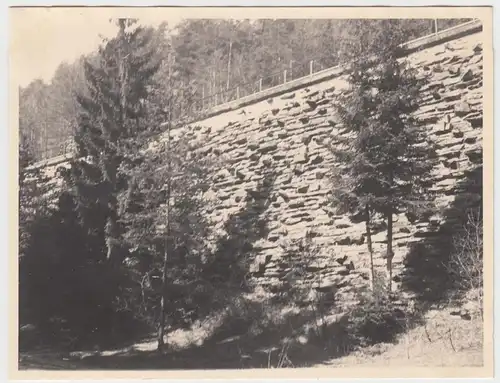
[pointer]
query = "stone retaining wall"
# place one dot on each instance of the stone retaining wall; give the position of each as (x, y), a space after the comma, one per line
(283, 137)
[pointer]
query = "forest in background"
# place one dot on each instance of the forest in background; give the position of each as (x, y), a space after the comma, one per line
(210, 57)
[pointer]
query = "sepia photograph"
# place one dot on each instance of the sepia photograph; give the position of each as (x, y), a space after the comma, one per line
(277, 189)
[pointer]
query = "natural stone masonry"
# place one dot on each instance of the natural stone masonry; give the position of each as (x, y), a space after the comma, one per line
(286, 135)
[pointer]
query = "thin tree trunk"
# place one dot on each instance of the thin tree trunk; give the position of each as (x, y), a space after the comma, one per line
(123, 73)
(111, 237)
(370, 247)
(45, 141)
(229, 65)
(161, 324)
(161, 327)
(390, 253)
(111, 229)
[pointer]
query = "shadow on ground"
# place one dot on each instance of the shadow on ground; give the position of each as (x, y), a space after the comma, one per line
(254, 344)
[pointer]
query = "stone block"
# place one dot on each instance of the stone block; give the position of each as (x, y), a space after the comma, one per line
(268, 147)
(462, 108)
(467, 76)
(303, 189)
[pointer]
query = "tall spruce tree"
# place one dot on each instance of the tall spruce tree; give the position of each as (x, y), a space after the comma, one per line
(166, 229)
(385, 153)
(163, 215)
(111, 126)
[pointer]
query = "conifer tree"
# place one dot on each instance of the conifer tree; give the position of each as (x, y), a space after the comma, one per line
(35, 194)
(111, 126)
(27, 189)
(163, 214)
(385, 155)
(166, 229)
(26, 156)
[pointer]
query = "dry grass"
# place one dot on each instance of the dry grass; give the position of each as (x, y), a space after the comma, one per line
(443, 341)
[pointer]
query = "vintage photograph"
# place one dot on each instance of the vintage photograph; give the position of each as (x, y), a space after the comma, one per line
(225, 191)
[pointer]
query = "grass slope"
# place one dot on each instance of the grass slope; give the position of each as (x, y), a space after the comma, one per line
(445, 340)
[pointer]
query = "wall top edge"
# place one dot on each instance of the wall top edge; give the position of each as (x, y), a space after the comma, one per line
(412, 46)
(421, 43)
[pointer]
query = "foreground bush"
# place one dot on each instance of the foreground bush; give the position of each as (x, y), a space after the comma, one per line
(466, 261)
(376, 319)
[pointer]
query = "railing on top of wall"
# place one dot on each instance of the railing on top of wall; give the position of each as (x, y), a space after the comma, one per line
(264, 84)
(293, 72)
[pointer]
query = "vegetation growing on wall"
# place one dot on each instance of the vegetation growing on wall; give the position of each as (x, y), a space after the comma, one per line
(388, 156)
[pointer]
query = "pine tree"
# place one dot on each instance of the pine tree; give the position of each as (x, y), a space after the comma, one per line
(385, 153)
(36, 194)
(27, 191)
(37, 248)
(26, 156)
(166, 228)
(112, 124)
(163, 207)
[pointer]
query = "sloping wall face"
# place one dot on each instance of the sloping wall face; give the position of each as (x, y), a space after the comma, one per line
(277, 163)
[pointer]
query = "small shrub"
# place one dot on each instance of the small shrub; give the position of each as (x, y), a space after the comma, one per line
(376, 318)
(305, 278)
(466, 261)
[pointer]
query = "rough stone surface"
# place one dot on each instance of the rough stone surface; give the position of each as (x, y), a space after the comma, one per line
(287, 139)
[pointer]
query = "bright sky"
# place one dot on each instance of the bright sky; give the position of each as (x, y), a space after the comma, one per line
(41, 38)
